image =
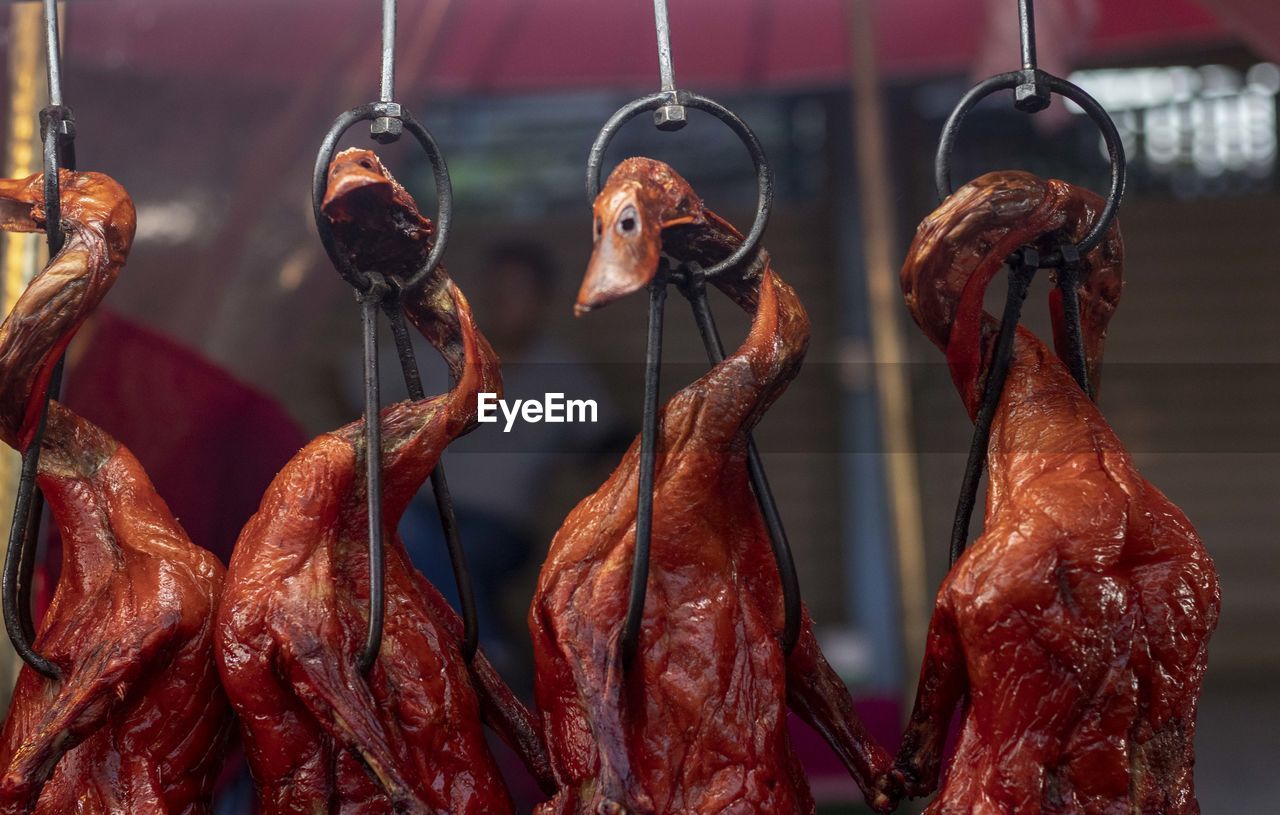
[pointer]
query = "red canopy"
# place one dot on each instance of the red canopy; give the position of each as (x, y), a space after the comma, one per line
(526, 45)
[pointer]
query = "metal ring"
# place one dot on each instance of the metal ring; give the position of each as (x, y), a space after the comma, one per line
(764, 174)
(320, 181)
(1069, 90)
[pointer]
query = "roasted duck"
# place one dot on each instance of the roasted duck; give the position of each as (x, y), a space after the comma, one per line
(696, 724)
(322, 736)
(137, 722)
(1074, 629)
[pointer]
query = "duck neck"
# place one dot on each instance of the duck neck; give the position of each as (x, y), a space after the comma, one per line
(778, 338)
(47, 315)
(415, 433)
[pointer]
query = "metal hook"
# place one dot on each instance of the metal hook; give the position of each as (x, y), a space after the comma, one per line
(320, 182)
(629, 637)
(670, 113)
(370, 300)
(1022, 267)
(439, 486)
(695, 290)
(389, 119)
(57, 130)
(1032, 89)
(1012, 80)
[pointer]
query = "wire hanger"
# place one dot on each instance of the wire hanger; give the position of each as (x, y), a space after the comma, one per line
(58, 132)
(374, 291)
(1032, 92)
(670, 106)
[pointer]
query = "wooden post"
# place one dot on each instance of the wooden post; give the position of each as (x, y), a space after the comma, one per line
(889, 353)
(23, 255)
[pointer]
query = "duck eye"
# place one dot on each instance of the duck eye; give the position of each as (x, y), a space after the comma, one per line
(628, 222)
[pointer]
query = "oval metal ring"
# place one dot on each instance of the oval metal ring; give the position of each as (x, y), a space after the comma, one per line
(320, 181)
(764, 174)
(1068, 90)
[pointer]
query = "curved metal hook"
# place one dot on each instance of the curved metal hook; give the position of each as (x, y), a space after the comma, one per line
(320, 181)
(1068, 90)
(1032, 87)
(663, 101)
(764, 173)
(57, 129)
(695, 290)
(374, 291)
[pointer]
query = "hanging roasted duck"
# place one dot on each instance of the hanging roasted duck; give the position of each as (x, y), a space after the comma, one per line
(136, 720)
(697, 722)
(1073, 632)
(321, 735)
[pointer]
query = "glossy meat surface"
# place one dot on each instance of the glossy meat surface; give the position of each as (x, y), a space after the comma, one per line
(1075, 628)
(137, 723)
(697, 722)
(407, 737)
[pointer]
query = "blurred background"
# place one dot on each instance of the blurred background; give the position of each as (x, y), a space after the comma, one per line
(229, 340)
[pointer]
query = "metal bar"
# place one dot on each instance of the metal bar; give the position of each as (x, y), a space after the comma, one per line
(1068, 277)
(388, 83)
(23, 535)
(1027, 33)
(782, 554)
(630, 636)
(373, 475)
(666, 66)
(52, 55)
(52, 184)
(440, 490)
(1020, 274)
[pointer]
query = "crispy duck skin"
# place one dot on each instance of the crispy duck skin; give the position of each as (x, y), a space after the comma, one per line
(407, 736)
(1074, 630)
(697, 723)
(137, 724)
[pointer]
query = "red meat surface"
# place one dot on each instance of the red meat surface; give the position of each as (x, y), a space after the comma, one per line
(407, 736)
(697, 722)
(137, 722)
(1074, 630)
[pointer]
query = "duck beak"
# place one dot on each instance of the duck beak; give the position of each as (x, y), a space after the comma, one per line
(628, 245)
(354, 182)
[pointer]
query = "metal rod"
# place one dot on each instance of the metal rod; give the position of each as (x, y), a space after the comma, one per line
(23, 535)
(1027, 33)
(1068, 277)
(1020, 273)
(52, 54)
(440, 490)
(373, 475)
(630, 636)
(782, 554)
(666, 66)
(52, 185)
(388, 84)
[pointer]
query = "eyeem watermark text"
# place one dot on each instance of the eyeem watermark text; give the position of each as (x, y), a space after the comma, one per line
(553, 408)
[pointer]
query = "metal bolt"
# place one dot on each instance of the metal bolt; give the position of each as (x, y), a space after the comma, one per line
(1031, 95)
(671, 117)
(385, 129)
(388, 126)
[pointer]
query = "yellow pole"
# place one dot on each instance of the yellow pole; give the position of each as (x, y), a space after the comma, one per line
(23, 255)
(875, 193)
